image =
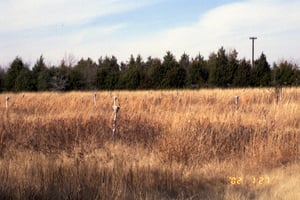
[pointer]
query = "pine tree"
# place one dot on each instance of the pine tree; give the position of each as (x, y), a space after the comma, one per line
(153, 73)
(83, 75)
(242, 76)
(221, 69)
(18, 77)
(284, 74)
(131, 76)
(2, 78)
(108, 73)
(41, 75)
(261, 73)
(197, 72)
(24, 81)
(170, 71)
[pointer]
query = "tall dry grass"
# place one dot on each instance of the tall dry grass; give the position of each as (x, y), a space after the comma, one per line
(168, 145)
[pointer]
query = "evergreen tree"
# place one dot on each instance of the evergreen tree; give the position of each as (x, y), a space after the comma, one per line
(197, 72)
(108, 73)
(261, 73)
(184, 61)
(24, 81)
(2, 78)
(211, 66)
(231, 68)
(13, 72)
(83, 75)
(169, 71)
(284, 74)
(142, 69)
(41, 75)
(153, 72)
(175, 78)
(221, 71)
(131, 76)
(101, 77)
(242, 76)
(43, 80)
(297, 77)
(60, 77)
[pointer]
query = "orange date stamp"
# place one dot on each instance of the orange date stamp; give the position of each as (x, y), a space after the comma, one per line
(254, 180)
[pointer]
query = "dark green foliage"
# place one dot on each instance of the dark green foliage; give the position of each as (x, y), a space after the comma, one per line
(175, 78)
(197, 73)
(225, 68)
(41, 76)
(60, 78)
(19, 77)
(170, 71)
(261, 72)
(211, 66)
(24, 81)
(184, 62)
(233, 65)
(43, 80)
(221, 69)
(169, 62)
(131, 76)
(83, 75)
(242, 76)
(2, 78)
(101, 76)
(108, 73)
(152, 73)
(285, 74)
(13, 72)
(297, 77)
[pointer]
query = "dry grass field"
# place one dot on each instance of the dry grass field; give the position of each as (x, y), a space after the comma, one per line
(190, 144)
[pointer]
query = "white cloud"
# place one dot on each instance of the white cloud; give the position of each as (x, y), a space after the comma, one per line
(17, 15)
(53, 27)
(275, 23)
(55, 47)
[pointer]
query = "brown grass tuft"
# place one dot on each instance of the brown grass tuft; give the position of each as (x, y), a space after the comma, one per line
(191, 144)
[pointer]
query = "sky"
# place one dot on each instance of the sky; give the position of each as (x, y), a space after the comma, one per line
(61, 29)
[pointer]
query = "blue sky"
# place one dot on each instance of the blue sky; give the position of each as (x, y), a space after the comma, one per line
(60, 29)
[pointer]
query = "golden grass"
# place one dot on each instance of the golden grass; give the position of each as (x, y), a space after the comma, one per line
(190, 144)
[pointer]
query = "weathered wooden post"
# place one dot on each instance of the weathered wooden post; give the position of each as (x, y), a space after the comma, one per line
(236, 102)
(6, 102)
(95, 98)
(278, 93)
(116, 109)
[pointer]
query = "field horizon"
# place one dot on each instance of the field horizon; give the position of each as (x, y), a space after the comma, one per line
(173, 144)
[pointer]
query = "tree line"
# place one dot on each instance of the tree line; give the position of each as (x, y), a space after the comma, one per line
(222, 69)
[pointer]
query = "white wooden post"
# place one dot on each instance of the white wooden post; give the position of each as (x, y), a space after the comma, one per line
(6, 102)
(116, 109)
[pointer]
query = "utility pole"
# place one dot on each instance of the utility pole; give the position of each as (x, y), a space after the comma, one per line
(253, 38)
